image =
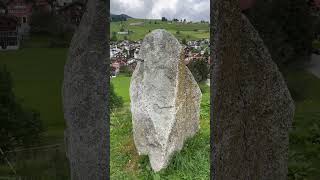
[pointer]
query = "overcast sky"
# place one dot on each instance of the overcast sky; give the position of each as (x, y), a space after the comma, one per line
(192, 10)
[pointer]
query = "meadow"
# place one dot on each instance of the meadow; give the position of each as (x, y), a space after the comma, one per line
(37, 74)
(192, 31)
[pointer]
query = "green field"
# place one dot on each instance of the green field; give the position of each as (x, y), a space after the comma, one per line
(316, 44)
(304, 151)
(191, 163)
(193, 31)
(38, 74)
(37, 78)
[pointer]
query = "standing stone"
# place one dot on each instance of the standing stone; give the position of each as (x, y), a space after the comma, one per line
(252, 107)
(165, 99)
(85, 92)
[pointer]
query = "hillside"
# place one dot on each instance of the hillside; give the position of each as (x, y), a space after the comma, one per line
(121, 17)
(140, 27)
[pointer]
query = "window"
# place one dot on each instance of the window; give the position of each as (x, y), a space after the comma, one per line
(24, 20)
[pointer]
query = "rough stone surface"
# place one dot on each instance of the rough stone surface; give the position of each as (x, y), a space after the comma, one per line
(165, 99)
(85, 93)
(252, 107)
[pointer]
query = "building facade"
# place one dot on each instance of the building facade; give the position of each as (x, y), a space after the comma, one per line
(63, 2)
(21, 9)
(9, 33)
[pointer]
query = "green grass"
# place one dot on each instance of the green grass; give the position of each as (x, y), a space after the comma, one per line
(304, 151)
(139, 31)
(121, 85)
(191, 163)
(37, 76)
(316, 44)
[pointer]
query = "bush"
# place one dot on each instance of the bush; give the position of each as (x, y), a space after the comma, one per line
(125, 70)
(115, 100)
(199, 69)
(19, 126)
(43, 22)
(184, 41)
(114, 37)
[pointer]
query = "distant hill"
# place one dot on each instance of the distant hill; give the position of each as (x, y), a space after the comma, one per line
(139, 28)
(121, 17)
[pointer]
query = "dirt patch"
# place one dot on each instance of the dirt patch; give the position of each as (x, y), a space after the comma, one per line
(130, 149)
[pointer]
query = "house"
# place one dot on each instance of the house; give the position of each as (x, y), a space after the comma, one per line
(43, 5)
(73, 13)
(3, 8)
(21, 9)
(136, 53)
(315, 4)
(63, 2)
(9, 32)
(115, 68)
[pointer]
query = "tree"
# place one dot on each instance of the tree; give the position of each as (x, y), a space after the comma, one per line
(115, 100)
(114, 36)
(19, 126)
(164, 19)
(45, 22)
(126, 70)
(184, 41)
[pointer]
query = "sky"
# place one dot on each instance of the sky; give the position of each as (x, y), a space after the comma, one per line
(192, 10)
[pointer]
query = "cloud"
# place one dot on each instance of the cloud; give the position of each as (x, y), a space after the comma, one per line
(192, 10)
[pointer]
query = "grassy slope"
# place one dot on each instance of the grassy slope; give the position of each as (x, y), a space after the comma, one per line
(186, 30)
(37, 74)
(304, 151)
(316, 44)
(191, 163)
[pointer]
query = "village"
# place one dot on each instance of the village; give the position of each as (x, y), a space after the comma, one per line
(16, 17)
(124, 54)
